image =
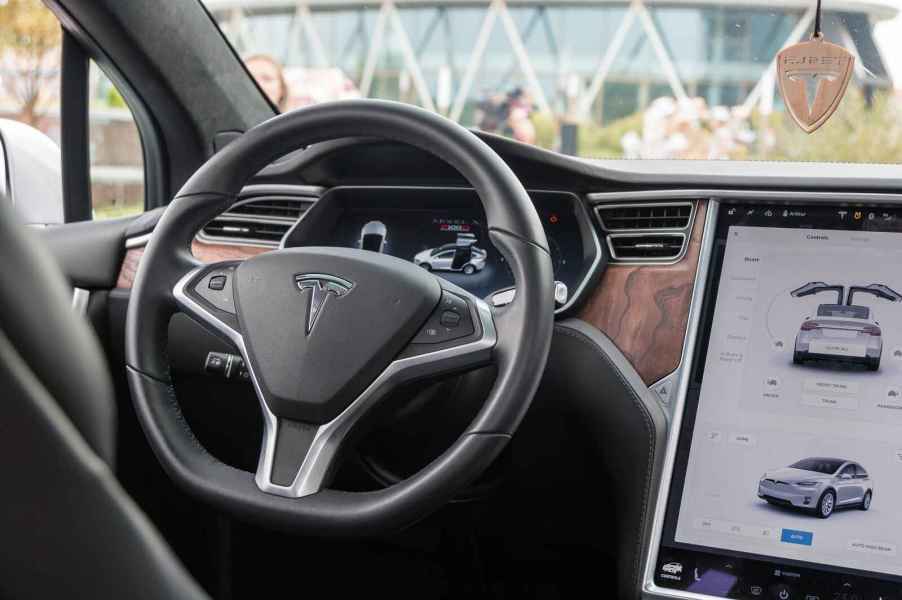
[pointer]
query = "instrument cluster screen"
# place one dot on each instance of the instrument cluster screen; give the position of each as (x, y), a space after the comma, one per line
(788, 477)
(453, 243)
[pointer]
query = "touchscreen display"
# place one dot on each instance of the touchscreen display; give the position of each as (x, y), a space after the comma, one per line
(796, 448)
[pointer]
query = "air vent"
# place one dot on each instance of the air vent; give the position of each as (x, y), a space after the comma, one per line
(646, 247)
(643, 217)
(648, 232)
(287, 208)
(236, 230)
(258, 221)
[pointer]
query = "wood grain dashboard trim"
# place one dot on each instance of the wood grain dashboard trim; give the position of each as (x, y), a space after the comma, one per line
(644, 309)
(203, 251)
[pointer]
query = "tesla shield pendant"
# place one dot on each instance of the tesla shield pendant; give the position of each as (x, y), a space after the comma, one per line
(813, 77)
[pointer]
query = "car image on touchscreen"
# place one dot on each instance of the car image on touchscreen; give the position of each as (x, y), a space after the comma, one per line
(841, 334)
(818, 485)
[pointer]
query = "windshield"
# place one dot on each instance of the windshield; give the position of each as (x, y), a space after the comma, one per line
(594, 78)
(828, 466)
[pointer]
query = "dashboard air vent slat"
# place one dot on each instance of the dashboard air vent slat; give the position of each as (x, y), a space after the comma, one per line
(271, 207)
(246, 230)
(261, 221)
(646, 247)
(632, 217)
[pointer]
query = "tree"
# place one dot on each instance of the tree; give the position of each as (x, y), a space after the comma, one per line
(29, 55)
(858, 132)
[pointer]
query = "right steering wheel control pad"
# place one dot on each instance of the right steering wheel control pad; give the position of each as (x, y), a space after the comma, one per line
(451, 320)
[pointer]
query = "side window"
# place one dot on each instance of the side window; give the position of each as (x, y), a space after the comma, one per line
(35, 153)
(31, 59)
(860, 473)
(849, 470)
(117, 162)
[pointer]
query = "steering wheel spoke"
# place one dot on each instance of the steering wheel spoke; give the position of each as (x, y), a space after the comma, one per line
(297, 458)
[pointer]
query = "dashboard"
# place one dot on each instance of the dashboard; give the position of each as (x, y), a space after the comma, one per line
(767, 337)
(787, 465)
(443, 230)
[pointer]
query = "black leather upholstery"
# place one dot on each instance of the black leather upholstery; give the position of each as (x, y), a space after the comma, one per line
(628, 427)
(68, 528)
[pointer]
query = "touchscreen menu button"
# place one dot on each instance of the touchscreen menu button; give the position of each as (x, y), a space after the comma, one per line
(781, 591)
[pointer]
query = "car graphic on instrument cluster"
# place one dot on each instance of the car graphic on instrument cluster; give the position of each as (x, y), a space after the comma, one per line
(818, 485)
(461, 256)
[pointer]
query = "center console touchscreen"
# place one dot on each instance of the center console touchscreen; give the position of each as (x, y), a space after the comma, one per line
(787, 481)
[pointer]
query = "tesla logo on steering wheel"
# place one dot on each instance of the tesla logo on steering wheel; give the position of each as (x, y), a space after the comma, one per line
(321, 287)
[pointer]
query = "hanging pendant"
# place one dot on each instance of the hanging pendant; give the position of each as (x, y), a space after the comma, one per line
(813, 78)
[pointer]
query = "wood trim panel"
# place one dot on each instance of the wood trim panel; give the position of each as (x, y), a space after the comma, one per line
(129, 267)
(644, 309)
(204, 252)
(210, 253)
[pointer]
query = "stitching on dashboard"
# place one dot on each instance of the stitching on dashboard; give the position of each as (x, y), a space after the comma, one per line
(649, 429)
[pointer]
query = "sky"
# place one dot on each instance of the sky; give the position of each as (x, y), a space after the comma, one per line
(889, 36)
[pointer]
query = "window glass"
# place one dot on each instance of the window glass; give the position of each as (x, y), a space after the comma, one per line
(30, 58)
(819, 465)
(30, 66)
(675, 80)
(117, 162)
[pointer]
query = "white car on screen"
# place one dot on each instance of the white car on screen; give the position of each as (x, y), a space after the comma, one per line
(818, 484)
(840, 333)
(466, 259)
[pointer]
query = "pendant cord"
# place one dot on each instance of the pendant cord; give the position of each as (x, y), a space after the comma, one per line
(817, 20)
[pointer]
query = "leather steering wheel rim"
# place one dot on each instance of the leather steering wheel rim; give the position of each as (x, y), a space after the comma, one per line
(523, 328)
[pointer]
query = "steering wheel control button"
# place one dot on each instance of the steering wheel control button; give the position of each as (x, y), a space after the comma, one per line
(229, 366)
(217, 363)
(452, 320)
(217, 282)
(216, 288)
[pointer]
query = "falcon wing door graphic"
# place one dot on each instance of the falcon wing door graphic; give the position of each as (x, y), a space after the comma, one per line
(817, 287)
(876, 289)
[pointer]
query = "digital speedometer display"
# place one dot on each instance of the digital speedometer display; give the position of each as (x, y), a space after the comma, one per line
(450, 238)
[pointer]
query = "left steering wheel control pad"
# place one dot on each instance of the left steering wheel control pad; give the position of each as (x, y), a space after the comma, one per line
(305, 311)
(216, 288)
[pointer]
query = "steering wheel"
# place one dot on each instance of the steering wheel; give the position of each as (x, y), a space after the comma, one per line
(326, 333)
